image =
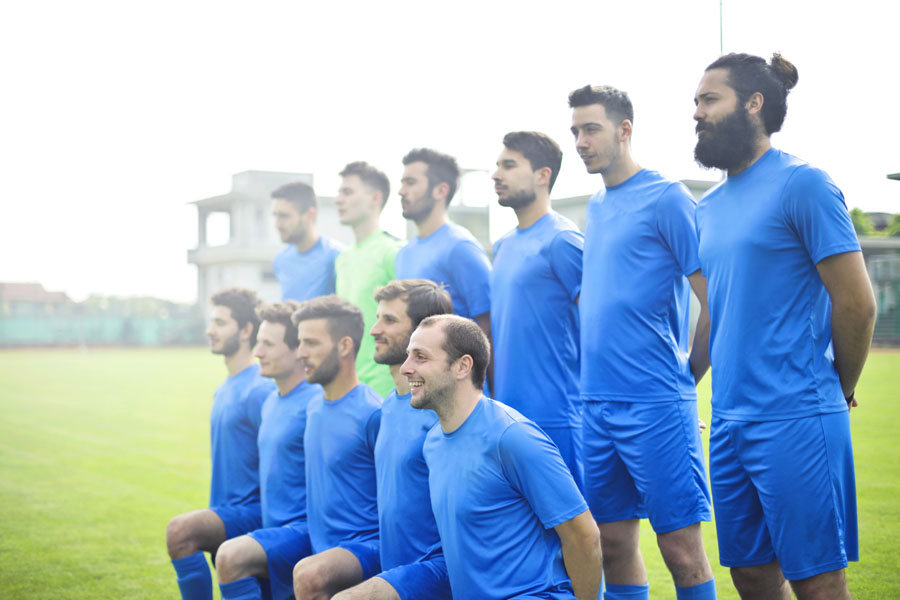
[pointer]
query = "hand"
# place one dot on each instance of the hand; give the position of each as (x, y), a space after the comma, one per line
(702, 425)
(851, 400)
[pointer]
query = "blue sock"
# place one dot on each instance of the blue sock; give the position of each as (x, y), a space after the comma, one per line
(242, 589)
(704, 591)
(194, 579)
(626, 592)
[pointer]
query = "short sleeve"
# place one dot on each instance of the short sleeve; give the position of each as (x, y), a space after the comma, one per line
(815, 210)
(373, 425)
(676, 223)
(535, 469)
(255, 400)
(566, 253)
(472, 277)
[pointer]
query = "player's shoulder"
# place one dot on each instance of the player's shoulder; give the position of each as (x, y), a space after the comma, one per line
(332, 246)
(367, 396)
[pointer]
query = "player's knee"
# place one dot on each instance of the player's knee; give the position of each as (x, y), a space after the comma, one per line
(759, 582)
(309, 579)
(228, 562)
(682, 551)
(617, 542)
(178, 537)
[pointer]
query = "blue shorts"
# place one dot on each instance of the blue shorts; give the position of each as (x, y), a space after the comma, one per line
(425, 580)
(568, 441)
(367, 553)
(285, 546)
(239, 519)
(786, 490)
(645, 459)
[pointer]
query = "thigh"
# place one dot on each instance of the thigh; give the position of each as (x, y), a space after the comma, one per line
(284, 547)
(425, 580)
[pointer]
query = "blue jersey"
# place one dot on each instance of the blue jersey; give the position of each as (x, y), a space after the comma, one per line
(305, 275)
(762, 232)
(453, 257)
(534, 320)
(498, 488)
(233, 425)
(340, 468)
(640, 244)
(281, 456)
(406, 535)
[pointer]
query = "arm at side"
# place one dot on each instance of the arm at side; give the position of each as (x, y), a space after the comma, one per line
(581, 553)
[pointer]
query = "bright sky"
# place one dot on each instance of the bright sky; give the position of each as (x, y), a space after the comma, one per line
(115, 114)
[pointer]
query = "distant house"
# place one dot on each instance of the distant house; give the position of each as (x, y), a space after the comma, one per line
(31, 299)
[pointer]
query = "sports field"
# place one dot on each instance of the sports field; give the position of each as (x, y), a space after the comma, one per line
(99, 448)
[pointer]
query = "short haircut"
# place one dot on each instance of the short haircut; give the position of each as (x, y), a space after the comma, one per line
(370, 176)
(423, 298)
(442, 168)
(343, 317)
(748, 74)
(540, 150)
(280, 312)
(461, 337)
(616, 102)
(242, 302)
(300, 194)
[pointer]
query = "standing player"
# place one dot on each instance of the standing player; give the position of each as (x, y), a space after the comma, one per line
(642, 450)
(305, 268)
(792, 315)
(504, 501)
(411, 560)
(234, 490)
(369, 263)
(443, 252)
(534, 293)
(270, 553)
(340, 442)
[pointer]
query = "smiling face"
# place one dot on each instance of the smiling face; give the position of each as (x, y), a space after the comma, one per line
(427, 369)
(391, 331)
(514, 180)
(356, 201)
(276, 358)
(317, 351)
(597, 137)
(223, 332)
(416, 197)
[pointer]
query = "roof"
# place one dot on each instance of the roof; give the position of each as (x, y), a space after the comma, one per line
(30, 292)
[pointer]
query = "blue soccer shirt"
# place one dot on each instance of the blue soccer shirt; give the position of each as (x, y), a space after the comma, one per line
(305, 275)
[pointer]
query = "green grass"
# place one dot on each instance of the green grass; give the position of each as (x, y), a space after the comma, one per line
(98, 449)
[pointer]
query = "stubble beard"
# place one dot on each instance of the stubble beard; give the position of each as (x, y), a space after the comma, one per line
(328, 371)
(230, 346)
(519, 199)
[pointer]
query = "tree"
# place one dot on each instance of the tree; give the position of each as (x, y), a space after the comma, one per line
(893, 228)
(861, 222)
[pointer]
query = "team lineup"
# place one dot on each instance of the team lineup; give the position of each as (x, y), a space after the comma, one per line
(421, 421)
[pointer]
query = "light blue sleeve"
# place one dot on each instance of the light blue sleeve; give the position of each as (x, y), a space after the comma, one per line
(255, 400)
(373, 425)
(566, 254)
(472, 277)
(676, 223)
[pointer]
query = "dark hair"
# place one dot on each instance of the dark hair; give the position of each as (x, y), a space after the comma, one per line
(538, 148)
(616, 102)
(370, 176)
(748, 74)
(423, 298)
(344, 318)
(461, 337)
(242, 303)
(301, 195)
(280, 312)
(442, 168)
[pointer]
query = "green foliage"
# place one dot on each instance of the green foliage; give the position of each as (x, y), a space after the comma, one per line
(98, 449)
(893, 228)
(861, 222)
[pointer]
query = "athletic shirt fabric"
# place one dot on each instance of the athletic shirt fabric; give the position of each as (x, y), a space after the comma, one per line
(340, 470)
(406, 523)
(498, 488)
(453, 257)
(360, 269)
(762, 232)
(534, 320)
(640, 244)
(233, 425)
(305, 275)
(281, 455)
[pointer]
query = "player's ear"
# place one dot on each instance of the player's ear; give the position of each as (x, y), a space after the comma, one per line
(246, 332)
(542, 176)
(462, 369)
(345, 346)
(625, 130)
(440, 192)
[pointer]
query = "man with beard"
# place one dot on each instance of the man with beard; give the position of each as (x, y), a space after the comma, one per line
(340, 439)
(535, 284)
(504, 501)
(234, 422)
(305, 268)
(411, 559)
(642, 451)
(443, 251)
(792, 315)
(369, 263)
(265, 556)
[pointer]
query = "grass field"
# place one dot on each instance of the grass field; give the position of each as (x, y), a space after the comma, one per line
(98, 449)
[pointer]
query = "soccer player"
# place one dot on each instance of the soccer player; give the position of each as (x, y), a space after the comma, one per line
(792, 314)
(642, 451)
(340, 442)
(269, 554)
(305, 268)
(504, 501)
(234, 489)
(443, 252)
(412, 562)
(369, 263)
(534, 293)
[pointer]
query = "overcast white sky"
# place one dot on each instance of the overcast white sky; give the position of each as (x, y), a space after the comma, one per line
(114, 115)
